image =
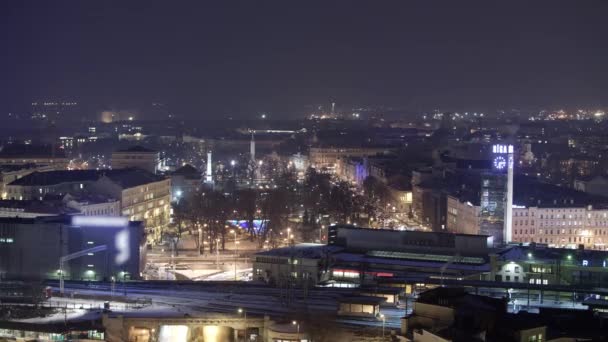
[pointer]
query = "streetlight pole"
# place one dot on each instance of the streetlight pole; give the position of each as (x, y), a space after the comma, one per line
(236, 251)
(217, 253)
(383, 323)
(200, 238)
(244, 313)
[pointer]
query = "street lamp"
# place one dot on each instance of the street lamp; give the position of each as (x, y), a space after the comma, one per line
(236, 251)
(217, 253)
(297, 329)
(383, 323)
(200, 238)
(243, 312)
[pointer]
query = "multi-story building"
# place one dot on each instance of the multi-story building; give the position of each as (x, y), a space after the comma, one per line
(30, 248)
(401, 199)
(91, 204)
(136, 156)
(563, 223)
(143, 196)
(33, 154)
(37, 185)
(12, 172)
(463, 216)
(327, 157)
(562, 226)
(352, 169)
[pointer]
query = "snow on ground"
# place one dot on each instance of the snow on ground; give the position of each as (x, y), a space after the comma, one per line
(241, 274)
(197, 274)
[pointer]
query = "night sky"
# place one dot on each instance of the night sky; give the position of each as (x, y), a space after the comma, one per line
(206, 58)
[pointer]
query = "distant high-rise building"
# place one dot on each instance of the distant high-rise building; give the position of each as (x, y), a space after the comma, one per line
(497, 196)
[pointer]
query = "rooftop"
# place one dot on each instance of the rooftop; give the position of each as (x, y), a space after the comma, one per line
(16, 167)
(370, 300)
(527, 191)
(303, 250)
(187, 171)
(30, 151)
(126, 178)
(566, 256)
(137, 148)
(33, 206)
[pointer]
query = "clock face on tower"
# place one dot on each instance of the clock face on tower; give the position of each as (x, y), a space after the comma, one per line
(500, 163)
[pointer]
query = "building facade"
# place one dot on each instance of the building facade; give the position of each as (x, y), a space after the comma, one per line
(30, 248)
(137, 156)
(328, 157)
(142, 195)
(555, 226)
(33, 154)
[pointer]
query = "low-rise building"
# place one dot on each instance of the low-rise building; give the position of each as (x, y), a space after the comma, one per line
(357, 257)
(304, 264)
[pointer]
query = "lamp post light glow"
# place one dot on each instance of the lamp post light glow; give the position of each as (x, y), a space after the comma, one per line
(297, 324)
(383, 323)
(243, 312)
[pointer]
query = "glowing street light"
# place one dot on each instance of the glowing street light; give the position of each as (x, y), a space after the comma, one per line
(297, 324)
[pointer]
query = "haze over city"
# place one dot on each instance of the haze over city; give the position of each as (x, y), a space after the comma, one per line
(280, 171)
(205, 60)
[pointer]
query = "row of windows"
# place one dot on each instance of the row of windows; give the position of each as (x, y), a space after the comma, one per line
(106, 211)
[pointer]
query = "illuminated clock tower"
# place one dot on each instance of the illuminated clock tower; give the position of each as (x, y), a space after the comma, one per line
(497, 196)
